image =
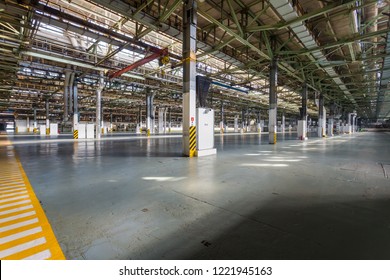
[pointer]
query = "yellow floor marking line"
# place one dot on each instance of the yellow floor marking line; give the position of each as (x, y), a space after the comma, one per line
(25, 232)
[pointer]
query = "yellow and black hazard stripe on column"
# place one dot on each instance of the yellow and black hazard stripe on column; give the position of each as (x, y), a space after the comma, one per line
(192, 141)
(25, 232)
(75, 134)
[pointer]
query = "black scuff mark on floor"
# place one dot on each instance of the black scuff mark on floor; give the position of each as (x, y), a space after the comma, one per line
(385, 174)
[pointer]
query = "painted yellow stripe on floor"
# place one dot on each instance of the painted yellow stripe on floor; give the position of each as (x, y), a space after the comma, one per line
(11, 184)
(15, 204)
(25, 232)
(15, 190)
(44, 255)
(10, 178)
(15, 210)
(11, 187)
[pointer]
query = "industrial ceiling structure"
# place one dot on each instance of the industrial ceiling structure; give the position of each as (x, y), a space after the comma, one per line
(340, 49)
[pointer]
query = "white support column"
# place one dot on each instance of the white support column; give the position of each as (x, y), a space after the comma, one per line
(189, 74)
(243, 123)
(28, 124)
(47, 118)
(161, 120)
(324, 122)
(321, 128)
(153, 122)
(149, 112)
(236, 123)
(353, 123)
(102, 117)
(330, 127)
(331, 120)
(302, 123)
(111, 126)
(221, 123)
(35, 127)
(75, 125)
(259, 128)
(170, 120)
(272, 120)
(75, 107)
(349, 127)
(139, 121)
(283, 123)
(165, 120)
(221, 128)
(99, 106)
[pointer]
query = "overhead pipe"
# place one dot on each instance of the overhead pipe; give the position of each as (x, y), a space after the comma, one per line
(98, 105)
(229, 87)
(74, 63)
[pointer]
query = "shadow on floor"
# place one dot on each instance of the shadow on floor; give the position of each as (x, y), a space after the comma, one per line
(358, 229)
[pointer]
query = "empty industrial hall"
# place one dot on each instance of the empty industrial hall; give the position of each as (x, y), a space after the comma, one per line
(194, 130)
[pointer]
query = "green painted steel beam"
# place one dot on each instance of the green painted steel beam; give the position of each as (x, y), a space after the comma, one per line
(166, 14)
(232, 33)
(143, 5)
(217, 47)
(234, 15)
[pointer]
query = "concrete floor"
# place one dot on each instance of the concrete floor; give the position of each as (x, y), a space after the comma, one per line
(125, 198)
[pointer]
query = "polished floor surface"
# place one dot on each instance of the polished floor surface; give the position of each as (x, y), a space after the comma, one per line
(130, 198)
